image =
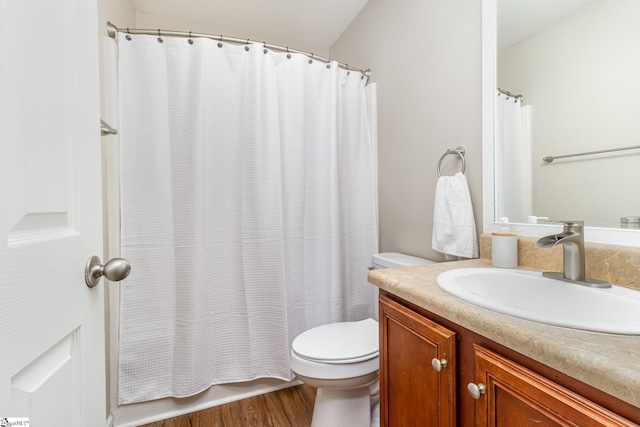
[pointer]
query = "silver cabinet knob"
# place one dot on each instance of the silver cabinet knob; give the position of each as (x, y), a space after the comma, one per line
(476, 390)
(115, 270)
(438, 364)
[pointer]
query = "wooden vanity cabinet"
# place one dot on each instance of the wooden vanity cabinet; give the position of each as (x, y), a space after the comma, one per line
(418, 368)
(518, 391)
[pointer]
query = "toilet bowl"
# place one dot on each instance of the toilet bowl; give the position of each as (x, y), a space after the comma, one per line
(341, 361)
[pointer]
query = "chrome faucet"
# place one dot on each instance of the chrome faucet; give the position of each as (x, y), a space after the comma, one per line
(573, 256)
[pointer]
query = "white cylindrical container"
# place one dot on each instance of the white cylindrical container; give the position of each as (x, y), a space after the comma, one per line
(504, 246)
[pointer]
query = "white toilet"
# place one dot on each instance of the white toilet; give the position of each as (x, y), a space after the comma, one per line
(341, 361)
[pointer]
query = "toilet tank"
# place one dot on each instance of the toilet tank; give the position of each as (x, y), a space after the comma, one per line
(392, 260)
(396, 259)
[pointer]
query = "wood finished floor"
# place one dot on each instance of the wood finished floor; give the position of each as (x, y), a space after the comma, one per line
(290, 407)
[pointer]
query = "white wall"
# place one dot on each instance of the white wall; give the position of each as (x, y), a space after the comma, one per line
(426, 58)
(581, 78)
(119, 12)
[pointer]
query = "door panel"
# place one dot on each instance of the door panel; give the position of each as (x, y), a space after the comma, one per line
(52, 325)
(38, 80)
(47, 389)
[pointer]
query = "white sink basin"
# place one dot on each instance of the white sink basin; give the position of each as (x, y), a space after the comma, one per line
(528, 295)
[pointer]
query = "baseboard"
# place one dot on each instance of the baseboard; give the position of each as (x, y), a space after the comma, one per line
(199, 406)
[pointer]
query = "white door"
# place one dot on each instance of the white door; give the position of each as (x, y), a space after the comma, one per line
(52, 367)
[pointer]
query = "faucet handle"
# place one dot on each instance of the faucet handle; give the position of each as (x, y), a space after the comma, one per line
(572, 225)
(565, 221)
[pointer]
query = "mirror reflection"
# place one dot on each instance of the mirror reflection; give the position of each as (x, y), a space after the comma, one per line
(576, 64)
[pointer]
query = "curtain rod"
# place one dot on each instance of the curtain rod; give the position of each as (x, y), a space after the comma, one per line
(112, 31)
(506, 92)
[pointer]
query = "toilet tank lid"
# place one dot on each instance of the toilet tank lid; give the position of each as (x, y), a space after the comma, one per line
(396, 259)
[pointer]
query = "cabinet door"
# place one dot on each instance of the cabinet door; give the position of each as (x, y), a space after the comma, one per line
(412, 391)
(516, 396)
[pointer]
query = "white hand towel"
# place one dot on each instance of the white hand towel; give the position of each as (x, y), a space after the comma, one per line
(454, 226)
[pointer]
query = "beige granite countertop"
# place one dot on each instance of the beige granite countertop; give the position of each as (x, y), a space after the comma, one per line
(607, 362)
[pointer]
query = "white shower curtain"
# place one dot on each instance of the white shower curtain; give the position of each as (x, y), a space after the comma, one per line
(513, 159)
(247, 211)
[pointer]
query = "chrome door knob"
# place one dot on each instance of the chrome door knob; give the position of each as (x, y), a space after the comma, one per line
(438, 364)
(476, 390)
(115, 270)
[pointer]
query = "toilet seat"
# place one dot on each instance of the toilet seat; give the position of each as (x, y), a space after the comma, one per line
(338, 343)
(332, 371)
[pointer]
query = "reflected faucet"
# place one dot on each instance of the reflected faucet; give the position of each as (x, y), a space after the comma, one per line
(573, 255)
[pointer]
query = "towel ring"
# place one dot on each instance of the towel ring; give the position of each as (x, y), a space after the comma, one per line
(460, 151)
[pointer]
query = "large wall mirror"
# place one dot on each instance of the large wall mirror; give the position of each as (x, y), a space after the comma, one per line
(560, 78)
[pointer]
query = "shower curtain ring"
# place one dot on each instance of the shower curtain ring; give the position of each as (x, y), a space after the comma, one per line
(190, 41)
(159, 36)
